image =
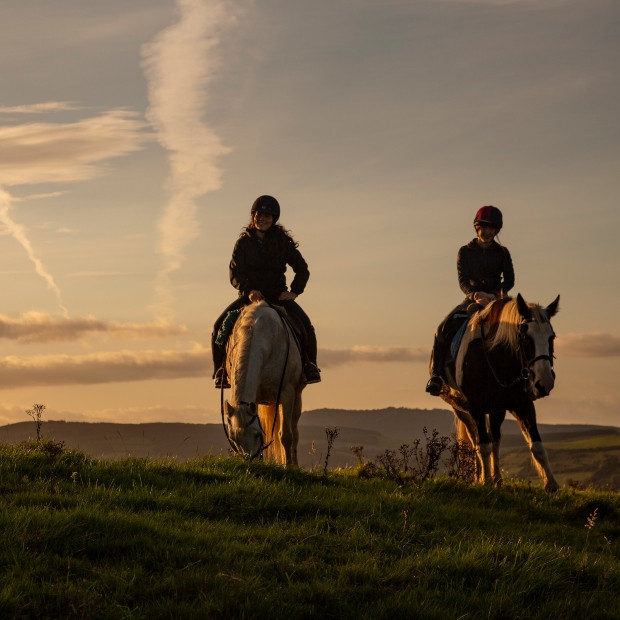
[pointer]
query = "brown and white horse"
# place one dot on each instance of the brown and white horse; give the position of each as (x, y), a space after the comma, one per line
(265, 369)
(504, 363)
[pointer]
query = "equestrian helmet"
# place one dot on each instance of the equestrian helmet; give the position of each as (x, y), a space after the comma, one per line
(268, 205)
(489, 215)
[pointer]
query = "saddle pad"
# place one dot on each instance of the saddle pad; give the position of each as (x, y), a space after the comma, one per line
(456, 341)
(227, 326)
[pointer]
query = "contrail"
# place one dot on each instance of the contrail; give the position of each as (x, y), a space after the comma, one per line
(179, 63)
(18, 232)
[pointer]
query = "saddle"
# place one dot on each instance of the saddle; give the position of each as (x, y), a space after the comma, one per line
(296, 327)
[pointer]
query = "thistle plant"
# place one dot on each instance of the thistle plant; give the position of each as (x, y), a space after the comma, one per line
(332, 434)
(36, 414)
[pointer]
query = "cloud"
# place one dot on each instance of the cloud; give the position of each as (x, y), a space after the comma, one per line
(45, 196)
(40, 108)
(128, 366)
(363, 354)
(589, 345)
(18, 232)
(598, 408)
(180, 63)
(98, 368)
(61, 152)
(40, 327)
(54, 153)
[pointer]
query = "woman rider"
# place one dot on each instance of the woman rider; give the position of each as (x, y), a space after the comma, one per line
(485, 273)
(257, 270)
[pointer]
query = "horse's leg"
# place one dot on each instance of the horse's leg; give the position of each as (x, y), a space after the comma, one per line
(464, 439)
(484, 448)
(272, 437)
(295, 427)
(495, 425)
(469, 429)
(290, 409)
(526, 417)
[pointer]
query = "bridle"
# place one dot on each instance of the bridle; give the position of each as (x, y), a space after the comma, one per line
(263, 446)
(526, 365)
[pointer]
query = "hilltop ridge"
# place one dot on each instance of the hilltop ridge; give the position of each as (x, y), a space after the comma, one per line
(376, 430)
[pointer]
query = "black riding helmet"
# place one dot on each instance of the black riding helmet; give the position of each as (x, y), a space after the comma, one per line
(489, 215)
(268, 205)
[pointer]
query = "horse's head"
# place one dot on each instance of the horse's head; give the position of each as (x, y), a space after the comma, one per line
(535, 346)
(243, 429)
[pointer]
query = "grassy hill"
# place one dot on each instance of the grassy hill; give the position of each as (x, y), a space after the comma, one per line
(224, 538)
(374, 431)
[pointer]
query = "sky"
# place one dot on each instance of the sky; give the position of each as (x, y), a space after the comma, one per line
(134, 137)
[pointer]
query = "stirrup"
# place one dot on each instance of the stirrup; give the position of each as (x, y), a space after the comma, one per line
(221, 379)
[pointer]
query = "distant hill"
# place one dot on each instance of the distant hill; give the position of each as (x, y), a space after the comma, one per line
(374, 430)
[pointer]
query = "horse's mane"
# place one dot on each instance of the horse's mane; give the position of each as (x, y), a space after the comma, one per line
(245, 329)
(245, 332)
(502, 319)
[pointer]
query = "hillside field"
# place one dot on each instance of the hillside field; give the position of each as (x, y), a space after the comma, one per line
(226, 538)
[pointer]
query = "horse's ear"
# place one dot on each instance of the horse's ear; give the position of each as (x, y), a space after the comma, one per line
(228, 408)
(552, 308)
(524, 309)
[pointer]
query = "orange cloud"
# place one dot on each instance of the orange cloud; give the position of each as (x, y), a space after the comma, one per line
(359, 354)
(39, 108)
(61, 152)
(40, 327)
(121, 366)
(589, 345)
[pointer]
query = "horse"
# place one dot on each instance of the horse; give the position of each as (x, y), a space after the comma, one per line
(264, 365)
(504, 363)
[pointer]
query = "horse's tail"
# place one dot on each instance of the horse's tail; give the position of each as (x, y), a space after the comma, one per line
(267, 415)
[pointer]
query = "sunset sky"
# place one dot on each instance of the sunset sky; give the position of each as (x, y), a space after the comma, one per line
(134, 137)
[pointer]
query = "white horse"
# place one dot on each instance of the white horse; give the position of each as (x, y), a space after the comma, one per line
(264, 365)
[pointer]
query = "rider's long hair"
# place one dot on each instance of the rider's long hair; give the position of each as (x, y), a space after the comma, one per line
(277, 240)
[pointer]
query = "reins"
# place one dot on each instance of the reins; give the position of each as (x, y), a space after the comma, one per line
(525, 365)
(287, 331)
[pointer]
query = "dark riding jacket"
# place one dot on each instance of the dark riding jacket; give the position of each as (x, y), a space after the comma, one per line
(487, 270)
(253, 269)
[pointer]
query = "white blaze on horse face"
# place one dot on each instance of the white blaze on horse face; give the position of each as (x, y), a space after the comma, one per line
(542, 377)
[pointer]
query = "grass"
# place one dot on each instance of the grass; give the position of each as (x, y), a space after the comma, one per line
(605, 441)
(223, 538)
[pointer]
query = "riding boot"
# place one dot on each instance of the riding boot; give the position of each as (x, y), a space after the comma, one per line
(219, 364)
(312, 373)
(435, 383)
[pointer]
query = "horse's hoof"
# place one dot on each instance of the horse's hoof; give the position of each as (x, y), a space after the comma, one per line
(551, 487)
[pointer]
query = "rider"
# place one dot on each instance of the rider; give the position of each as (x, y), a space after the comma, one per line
(256, 270)
(485, 273)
